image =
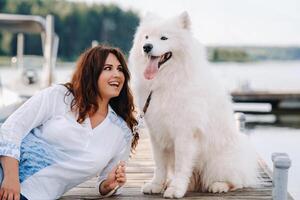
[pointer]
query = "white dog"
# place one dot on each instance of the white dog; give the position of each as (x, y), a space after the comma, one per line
(196, 144)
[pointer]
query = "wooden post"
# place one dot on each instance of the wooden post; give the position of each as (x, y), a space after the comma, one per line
(281, 165)
(48, 64)
(20, 52)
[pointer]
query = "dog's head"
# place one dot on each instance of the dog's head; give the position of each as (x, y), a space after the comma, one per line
(159, 41)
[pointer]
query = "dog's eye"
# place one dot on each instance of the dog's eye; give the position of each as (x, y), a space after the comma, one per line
(163, 38)
(146, 37)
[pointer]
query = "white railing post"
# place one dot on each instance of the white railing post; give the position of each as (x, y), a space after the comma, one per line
(241, 121)
(281, 165)
(95, 43)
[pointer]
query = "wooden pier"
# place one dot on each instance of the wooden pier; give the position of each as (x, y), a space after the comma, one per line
(276, 100)
(140, 169)
(268, 97)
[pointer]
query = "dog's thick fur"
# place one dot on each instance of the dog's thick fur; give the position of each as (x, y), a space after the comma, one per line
(196, 144)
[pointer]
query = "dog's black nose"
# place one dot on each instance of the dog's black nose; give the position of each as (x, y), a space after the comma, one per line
(147, 48)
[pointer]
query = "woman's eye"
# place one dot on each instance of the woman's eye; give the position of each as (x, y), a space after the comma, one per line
(120, 69)
(107, 68)
(163, 38)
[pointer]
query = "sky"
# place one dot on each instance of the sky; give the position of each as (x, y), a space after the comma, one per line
(229, 22)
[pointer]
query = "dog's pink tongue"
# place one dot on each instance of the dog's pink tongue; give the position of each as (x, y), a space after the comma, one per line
(151, 69)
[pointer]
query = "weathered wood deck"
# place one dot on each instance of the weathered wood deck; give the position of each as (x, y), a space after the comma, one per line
(140, 169)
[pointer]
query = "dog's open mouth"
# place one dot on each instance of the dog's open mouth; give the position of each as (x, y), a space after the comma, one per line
(162, 59)
(155, 63)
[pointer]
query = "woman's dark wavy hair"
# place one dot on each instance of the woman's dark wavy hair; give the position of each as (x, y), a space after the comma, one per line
(84, 87)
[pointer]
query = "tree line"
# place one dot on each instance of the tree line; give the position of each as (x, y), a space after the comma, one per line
(76, 24)
(251, 53)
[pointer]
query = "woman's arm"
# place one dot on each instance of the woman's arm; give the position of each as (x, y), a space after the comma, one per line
(34, 112)
(10, 187)
(31, 114)
(115, 170)
(116, 178)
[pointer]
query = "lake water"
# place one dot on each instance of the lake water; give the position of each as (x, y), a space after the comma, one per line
(265, 76)
(261, 76)
(276, 77)
(268, 140)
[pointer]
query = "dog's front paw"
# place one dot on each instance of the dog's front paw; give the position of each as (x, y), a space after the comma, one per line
(173, 192)
(153, 188)
(219, 187)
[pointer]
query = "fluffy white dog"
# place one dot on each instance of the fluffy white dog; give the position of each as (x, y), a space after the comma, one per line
(195, 142)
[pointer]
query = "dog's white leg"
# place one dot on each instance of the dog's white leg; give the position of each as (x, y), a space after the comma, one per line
(157, 185)
(185, 152)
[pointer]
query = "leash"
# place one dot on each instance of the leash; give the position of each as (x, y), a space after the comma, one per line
(140, 118)
(147, 103)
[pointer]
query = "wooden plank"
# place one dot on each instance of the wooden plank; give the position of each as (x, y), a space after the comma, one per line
(140, 170)
(263, 96)
(281, 111)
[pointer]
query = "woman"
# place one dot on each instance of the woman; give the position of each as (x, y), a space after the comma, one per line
(67, 134)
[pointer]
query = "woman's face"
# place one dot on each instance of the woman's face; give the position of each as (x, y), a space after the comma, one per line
(111, 79)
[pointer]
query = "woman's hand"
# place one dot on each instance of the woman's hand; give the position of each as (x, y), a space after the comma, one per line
(116, 177)
(10, 188)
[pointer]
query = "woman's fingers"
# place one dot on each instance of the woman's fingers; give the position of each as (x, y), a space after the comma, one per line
(5, 195)
(17, 197)
(10, 189)
(10, 196)
(120, 175)
(121, 180)
(120, 169)
(1, 193)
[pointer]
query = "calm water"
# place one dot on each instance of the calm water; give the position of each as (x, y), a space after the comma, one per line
(264, 76)
(267, 76)
(269, 139)
(276, 77)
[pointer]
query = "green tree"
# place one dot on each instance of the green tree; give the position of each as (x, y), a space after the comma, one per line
(76, 24)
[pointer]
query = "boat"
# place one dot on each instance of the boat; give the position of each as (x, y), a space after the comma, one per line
(28, 79)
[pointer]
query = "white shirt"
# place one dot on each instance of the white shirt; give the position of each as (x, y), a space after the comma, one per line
(57, 153)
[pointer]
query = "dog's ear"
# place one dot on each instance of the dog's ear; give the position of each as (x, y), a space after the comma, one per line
(184, 20)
